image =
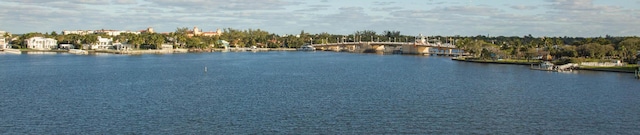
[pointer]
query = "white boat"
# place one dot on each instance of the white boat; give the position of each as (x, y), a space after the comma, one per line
(13, 51)
(306, 48)
(78, 52)
(545, 66)
(548, 66)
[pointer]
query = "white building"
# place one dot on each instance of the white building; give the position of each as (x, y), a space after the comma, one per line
(66, 46)
(3, 43)
(122, 47)
(107, 32)
(103, 43)
(79, 32)
(40, 43)
(115, 32)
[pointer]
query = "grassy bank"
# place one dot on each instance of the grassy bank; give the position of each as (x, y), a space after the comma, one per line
(631, 68)
(500, 61)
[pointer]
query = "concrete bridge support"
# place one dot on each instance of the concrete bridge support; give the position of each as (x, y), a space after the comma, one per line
(338, 48)
(424, 50)
(412, 49)
(351, 48)
(378, 47)
(334, 48)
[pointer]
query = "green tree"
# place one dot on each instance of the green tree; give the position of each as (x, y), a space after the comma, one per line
(234, 37)
(53, 33)
(135, 40)
(530, 53)
(569, 51)
(156, 40)
(90, 39)
(594, 50)
(194, 42)
(629, 48)
(180, 36)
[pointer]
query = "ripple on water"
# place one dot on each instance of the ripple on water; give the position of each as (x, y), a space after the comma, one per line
(305, 93)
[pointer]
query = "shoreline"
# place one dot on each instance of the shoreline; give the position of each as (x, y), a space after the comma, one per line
(529, 63)
(606, 70)
(494, 62)
(179, 51)
(140, 52)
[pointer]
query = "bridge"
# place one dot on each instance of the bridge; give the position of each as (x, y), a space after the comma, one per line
(419, 47)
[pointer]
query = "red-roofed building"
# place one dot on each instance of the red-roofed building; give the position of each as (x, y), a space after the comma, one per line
(198, 32)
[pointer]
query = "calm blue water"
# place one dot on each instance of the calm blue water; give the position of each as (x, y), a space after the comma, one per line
(306, 92)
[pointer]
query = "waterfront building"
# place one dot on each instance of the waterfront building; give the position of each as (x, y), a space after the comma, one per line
(102, 44)
(166, 46)
(198, 32)
(3, 43)
(224, 43)
(41, 43)
(122, 47)
(66, 46)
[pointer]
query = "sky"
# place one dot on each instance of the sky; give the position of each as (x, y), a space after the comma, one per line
(573, 18)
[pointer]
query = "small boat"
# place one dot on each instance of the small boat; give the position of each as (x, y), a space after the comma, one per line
(548, 66)
(545, 66)
(13, 51)
(306, 48)
(78, 52)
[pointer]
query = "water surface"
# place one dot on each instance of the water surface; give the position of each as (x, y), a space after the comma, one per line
(305, 92)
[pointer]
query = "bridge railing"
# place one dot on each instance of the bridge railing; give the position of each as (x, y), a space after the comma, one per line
(387, 43)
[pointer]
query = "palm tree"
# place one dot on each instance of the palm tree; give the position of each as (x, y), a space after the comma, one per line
(136, 40)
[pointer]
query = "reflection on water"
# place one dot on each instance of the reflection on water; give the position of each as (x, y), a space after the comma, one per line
(46, 53)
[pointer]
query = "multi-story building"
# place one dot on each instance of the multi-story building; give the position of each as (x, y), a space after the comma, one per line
(115, 32)
(3, 42)
(79, 32)
(149, 30)
(198, 32)
(102, 44)
(107, 32)
(41, 43)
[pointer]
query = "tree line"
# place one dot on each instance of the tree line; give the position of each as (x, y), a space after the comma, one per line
(528, 47)
(513, 47)
(237, 38)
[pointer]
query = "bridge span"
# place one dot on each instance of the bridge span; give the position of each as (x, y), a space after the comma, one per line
(424, 48)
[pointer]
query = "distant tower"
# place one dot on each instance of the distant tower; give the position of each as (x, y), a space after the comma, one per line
(218, 31)
(196, 31)
(150, 30)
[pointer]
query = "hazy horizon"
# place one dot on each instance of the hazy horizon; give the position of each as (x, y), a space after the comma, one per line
(551, 18)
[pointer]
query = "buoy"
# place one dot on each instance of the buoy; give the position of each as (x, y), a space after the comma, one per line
(205, 69)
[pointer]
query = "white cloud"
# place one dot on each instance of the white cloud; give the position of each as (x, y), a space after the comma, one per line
(214, 5)
(124, 1)
(523, 7)
(548, 17)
